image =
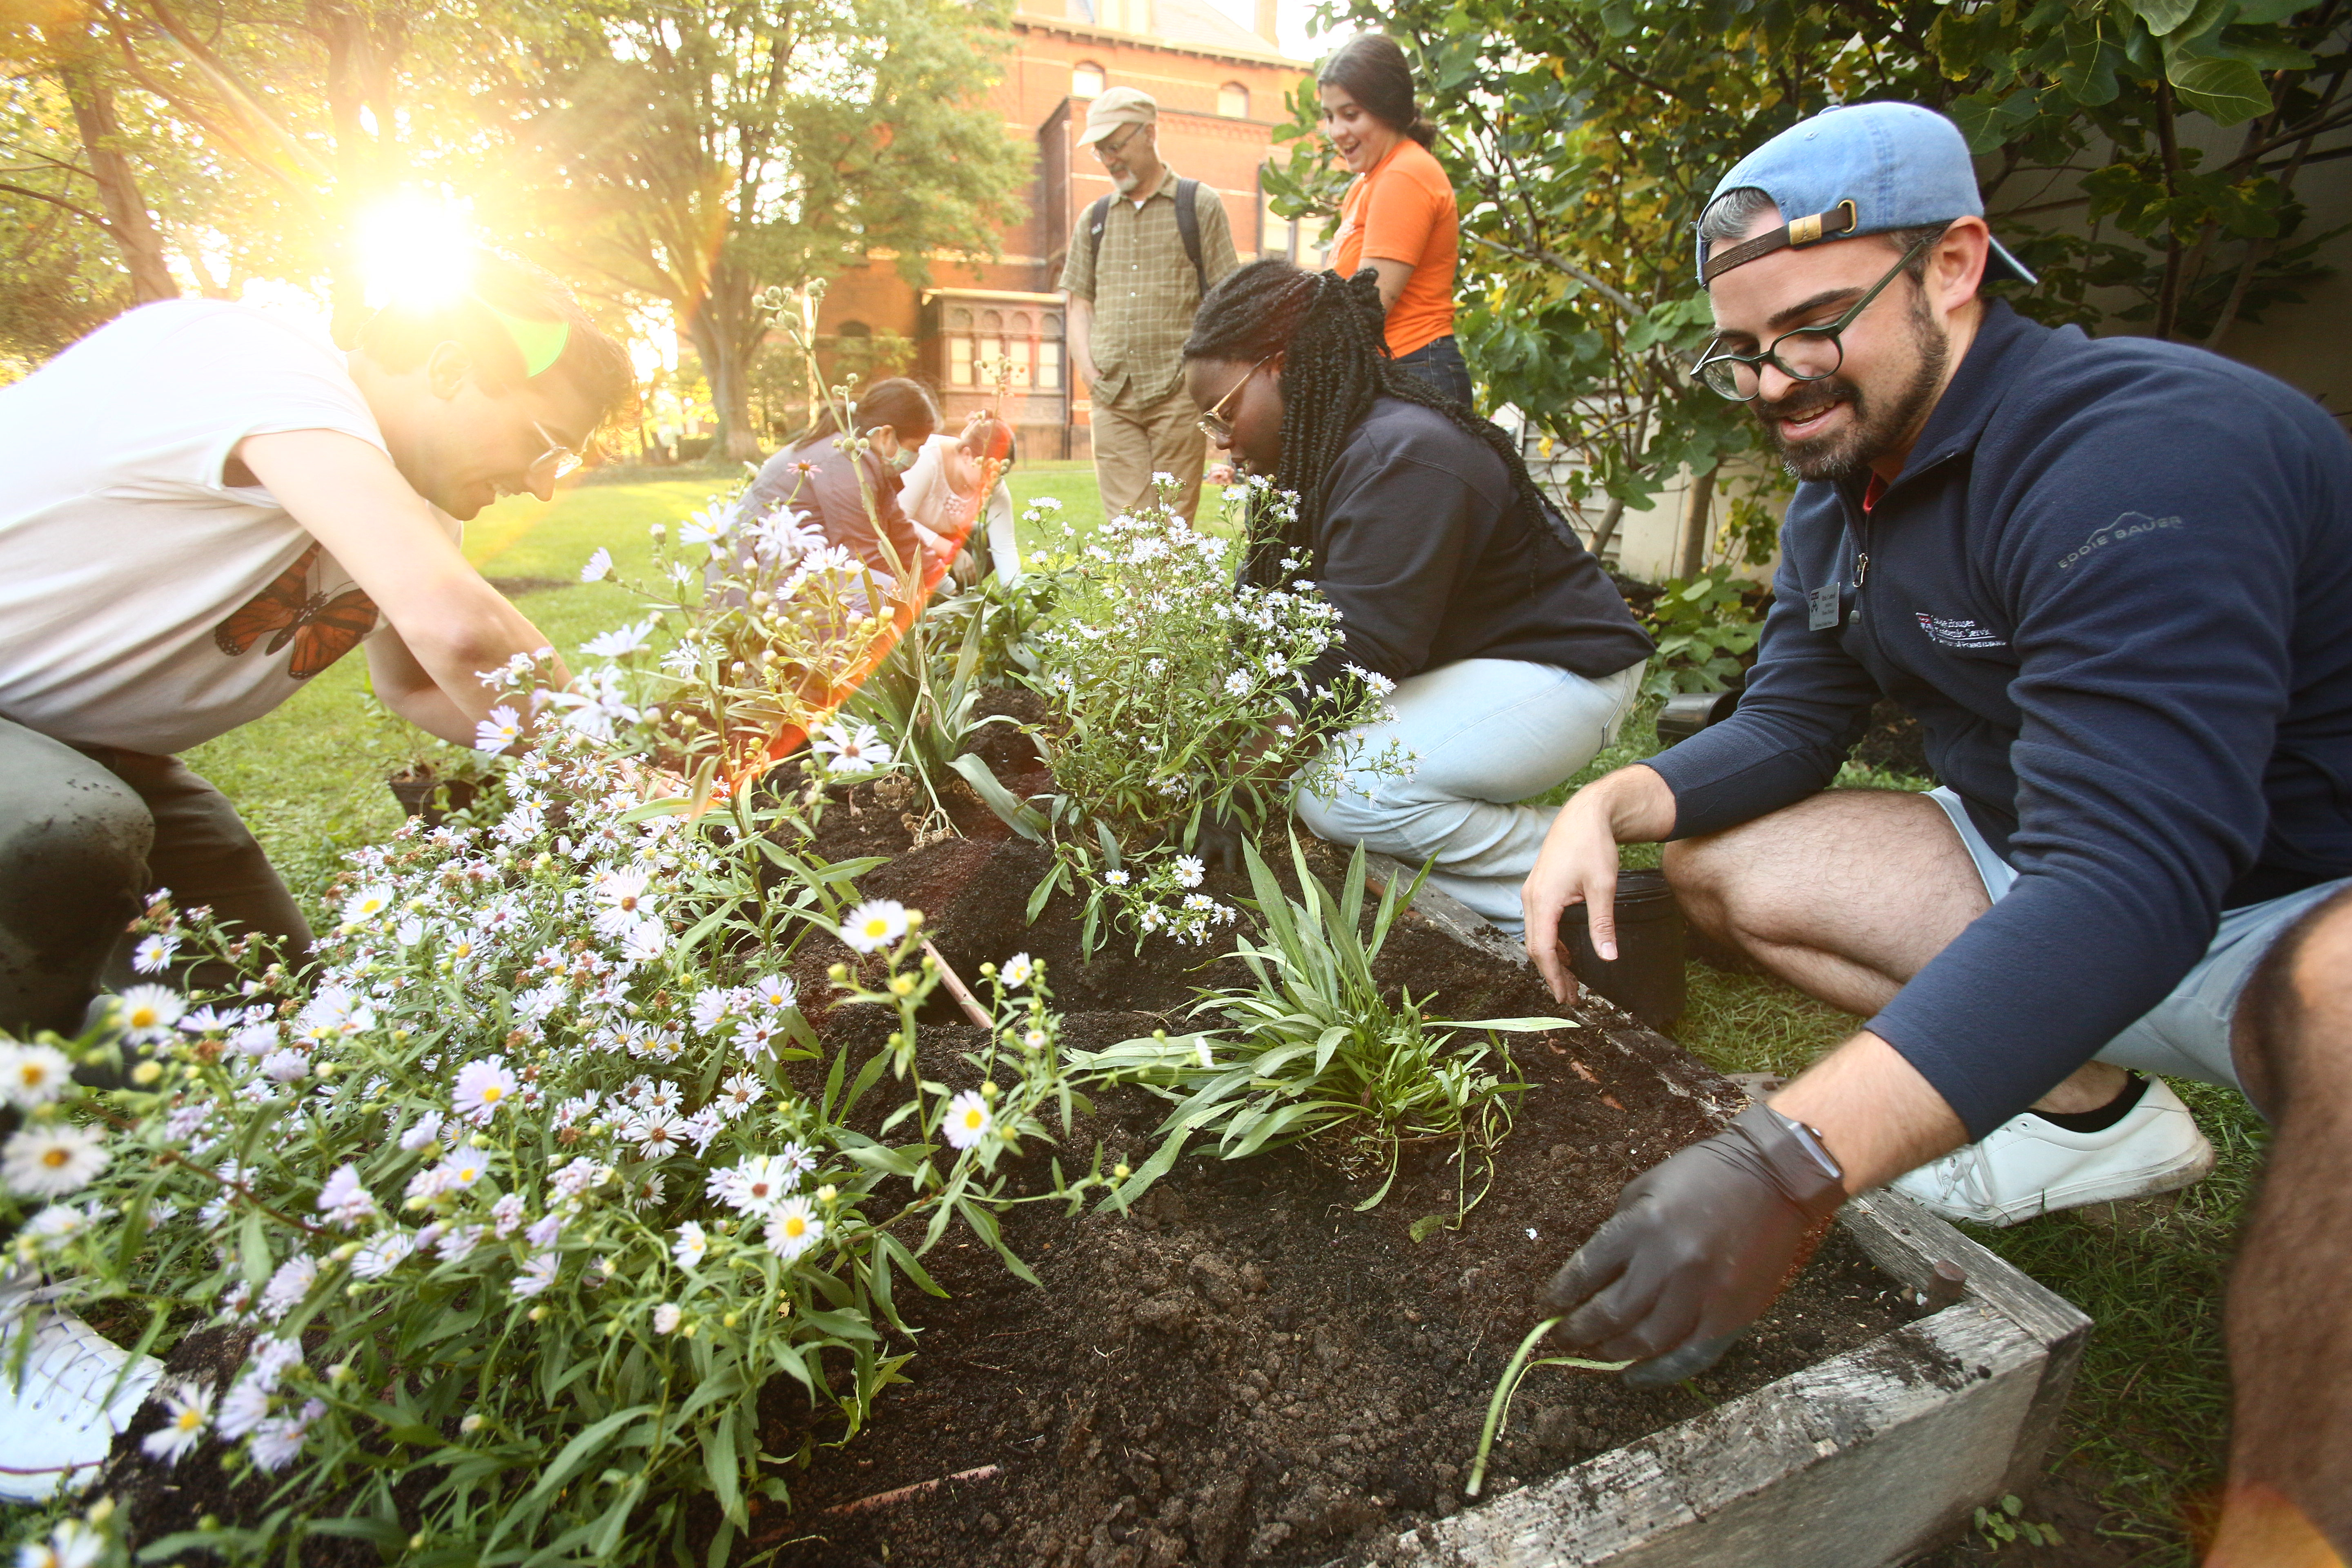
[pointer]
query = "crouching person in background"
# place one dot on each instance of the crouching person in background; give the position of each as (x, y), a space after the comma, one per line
(1511, 659)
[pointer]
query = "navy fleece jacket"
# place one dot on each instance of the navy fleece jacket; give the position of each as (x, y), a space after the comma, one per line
(2115, 586)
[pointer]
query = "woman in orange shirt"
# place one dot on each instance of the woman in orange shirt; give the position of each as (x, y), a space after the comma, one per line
(1399, 218)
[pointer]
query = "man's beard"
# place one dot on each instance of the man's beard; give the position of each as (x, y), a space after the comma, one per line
(1124, 182)
(1873, 431)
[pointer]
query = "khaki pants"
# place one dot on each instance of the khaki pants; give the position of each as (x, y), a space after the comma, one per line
(84, 837)
(1132, 444)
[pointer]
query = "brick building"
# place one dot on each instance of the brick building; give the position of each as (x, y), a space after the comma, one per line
(1220, 91)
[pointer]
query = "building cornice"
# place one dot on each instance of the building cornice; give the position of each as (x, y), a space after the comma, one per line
(1086, 32)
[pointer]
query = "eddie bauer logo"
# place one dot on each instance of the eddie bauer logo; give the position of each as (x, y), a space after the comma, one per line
(2124, 526)
(1947, 633)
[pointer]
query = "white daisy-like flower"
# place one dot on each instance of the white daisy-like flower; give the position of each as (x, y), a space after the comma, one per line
(288, 1286)
(968, 1120)
(363, 907)
(874, 925)
(739, 1094)
(645, 941)
(666, 1317)
(286, 1067)
(658, 1133)
(621, 641)
(1189, 871)
(1238, 683)
(622, 892)
(1017, 971)
(383, 1253)
(72, 1544)
(276, 1444)
(502, 729)
(245, 1407)
(599, 566)
(775, 992)
(851, 750)
(32, 1075)
(543, 1231)
(51, 1159)
(457, 1243)
(462, 1169)
(535, 1275)
(153, 953)
(146, 1012)
(755, 1185)
(1116, 879)
(793, 1229)
(506, 1215)
(713, 1005)
(691, 1247)
(422, 1132)
(187, 1410)
(344, 1200)
(482, 1086)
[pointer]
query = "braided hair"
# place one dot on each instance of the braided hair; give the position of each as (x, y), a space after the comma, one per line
(1335, 365)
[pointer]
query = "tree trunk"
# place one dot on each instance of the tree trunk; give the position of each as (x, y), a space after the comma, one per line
(1692, 556)
(1610, 517)
(127, 219)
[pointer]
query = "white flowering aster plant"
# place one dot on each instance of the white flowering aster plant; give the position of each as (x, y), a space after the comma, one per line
(1177, 690)
(532, 1183)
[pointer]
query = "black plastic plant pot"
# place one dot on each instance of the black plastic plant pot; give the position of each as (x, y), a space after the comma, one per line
(1646, 979)
(430, 798)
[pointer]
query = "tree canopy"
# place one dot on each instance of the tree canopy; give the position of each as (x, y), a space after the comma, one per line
(2142, 156)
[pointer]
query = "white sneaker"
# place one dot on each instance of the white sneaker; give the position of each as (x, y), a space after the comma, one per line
(57, 1424)
(2029, 1166)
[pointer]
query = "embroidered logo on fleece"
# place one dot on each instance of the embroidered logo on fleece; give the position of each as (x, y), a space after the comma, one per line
(2124, 526)
(1945, 632)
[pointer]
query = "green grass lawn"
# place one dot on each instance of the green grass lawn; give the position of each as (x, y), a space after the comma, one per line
(2144, 1443)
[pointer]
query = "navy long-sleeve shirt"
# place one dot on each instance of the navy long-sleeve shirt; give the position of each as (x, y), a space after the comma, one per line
(2114, 587)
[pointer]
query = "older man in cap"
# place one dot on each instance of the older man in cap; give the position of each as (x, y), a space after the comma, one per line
(1140, 261)
(2113, 580)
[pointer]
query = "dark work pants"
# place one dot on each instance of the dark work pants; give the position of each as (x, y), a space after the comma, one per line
(85, 836)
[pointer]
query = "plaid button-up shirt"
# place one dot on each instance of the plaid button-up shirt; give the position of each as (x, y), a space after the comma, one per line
(1143, 290)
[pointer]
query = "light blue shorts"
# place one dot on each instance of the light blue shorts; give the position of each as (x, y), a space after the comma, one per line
(2187, 1035)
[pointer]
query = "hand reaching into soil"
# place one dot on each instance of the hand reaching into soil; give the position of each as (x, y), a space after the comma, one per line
(1698, 1248)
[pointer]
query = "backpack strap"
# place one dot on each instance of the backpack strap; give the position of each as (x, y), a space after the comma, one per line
(1188, 228)
(1097, 215)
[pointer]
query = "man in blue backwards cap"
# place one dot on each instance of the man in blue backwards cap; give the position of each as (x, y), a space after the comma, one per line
(2113, 580)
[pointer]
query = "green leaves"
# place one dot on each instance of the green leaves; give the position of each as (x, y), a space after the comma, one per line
(2228, 92)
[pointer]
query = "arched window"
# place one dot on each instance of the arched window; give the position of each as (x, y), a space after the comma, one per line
(853, 330)
(1086, 80)
(1232, 100)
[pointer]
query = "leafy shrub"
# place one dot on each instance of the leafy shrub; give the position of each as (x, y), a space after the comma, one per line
(1176, 693)
(1704, 627)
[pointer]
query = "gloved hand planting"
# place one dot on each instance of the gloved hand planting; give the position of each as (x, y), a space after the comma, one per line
(1698, 1247)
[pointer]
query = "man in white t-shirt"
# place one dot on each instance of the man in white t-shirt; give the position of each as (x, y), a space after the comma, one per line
(202, 506)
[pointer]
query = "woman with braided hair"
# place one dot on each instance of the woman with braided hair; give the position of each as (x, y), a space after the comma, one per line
(1514, 657)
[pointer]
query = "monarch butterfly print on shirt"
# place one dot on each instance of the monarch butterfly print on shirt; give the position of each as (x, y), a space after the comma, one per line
(321, 629)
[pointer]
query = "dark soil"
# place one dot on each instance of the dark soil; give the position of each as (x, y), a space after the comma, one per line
(1893, 741)
(1244, 1369)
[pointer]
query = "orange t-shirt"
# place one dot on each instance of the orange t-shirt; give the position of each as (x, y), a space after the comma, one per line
(1404, 210)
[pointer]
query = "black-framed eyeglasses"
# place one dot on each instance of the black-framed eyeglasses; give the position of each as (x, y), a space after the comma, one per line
(1213, 423)
(1105, 149)
(1805, 354)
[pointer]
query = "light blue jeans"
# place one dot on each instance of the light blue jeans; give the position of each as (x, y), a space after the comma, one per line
(1480, 734)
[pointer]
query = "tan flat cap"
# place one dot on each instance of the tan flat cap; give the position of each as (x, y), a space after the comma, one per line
(1118, 106)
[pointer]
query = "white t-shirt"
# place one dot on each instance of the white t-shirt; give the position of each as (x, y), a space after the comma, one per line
(927, 496)
(128, 571)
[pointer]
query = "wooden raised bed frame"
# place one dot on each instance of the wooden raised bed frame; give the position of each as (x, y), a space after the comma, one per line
(1865, 1459)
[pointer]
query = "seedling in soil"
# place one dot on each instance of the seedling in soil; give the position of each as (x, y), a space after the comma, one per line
(1498, 1409)
(1315, 1046)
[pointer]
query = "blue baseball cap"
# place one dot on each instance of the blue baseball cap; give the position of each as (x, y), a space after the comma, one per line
(1862, 169)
